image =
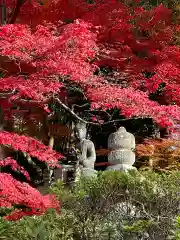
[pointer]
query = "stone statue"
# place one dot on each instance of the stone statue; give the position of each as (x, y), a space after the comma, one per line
(87, 153)
(121, 145)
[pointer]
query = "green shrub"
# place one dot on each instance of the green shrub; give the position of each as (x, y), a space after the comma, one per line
(133, 206)
(138, 205)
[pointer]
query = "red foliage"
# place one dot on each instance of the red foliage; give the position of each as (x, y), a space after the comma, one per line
(130, 39)
(132, 103)
(31, 146)
(16, 193)
(14, 165)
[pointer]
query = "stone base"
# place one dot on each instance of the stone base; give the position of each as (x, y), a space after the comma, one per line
(121, 167)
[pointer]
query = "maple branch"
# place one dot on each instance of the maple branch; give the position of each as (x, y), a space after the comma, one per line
(70, 111)
(103, 111)
(28, 101)
(7, 94)
(75, 105)
(73, 114)
(86, 104)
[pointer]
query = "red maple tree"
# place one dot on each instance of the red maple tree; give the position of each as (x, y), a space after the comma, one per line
(136, 43)
(47, 46)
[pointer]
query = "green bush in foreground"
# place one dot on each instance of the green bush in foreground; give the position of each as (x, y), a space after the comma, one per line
(137, 205)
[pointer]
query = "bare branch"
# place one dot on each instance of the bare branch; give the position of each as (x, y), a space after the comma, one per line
(75, 105)
(86, 104)
(108, 114)
(73, 114)
(6, 94)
